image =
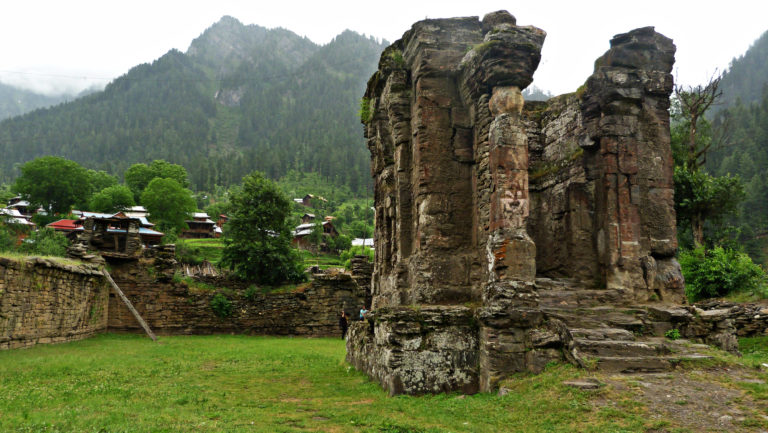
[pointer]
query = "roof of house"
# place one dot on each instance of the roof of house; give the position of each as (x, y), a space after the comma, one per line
(142, 231)
(11, 213)
(20, 203)
(200, 215)
(65, 224)
(358, 242)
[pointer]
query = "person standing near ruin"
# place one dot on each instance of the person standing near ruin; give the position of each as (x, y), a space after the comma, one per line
(344, 324)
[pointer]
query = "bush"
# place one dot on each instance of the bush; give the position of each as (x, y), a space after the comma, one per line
(221, 305)
(45, 242)
(718, 272)
(187, 253)
(345, 256)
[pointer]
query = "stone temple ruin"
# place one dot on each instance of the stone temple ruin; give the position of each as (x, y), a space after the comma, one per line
(510, 234)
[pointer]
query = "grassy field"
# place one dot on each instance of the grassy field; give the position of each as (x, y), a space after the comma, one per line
(126, 383)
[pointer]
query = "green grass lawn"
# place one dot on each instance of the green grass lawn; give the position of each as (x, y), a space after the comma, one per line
(126, 383)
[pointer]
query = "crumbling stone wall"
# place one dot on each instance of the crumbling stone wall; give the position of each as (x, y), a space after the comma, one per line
(481, 200)
(46, 301)
(171, 307)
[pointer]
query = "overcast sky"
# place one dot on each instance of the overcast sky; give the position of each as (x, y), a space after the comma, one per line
(68, 45)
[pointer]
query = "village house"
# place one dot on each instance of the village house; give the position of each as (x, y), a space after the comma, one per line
(301, 234)
(307, 200)
(200, 226)
(72, 228)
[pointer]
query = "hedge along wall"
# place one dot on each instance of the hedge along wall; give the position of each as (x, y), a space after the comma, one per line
(50, 301)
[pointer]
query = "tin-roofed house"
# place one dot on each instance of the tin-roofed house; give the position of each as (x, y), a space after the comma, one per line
(116, 235)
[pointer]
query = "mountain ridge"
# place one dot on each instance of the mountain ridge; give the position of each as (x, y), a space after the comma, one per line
(268, 99)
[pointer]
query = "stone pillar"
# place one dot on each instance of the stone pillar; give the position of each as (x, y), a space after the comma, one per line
(511, 252)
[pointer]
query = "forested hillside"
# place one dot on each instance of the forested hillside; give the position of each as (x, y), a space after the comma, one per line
(15, 101)
(740, 143)
(747, 75)
(241, 98)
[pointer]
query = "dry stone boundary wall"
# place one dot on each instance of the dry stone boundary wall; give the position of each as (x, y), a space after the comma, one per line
(47, 301)
(50, 301)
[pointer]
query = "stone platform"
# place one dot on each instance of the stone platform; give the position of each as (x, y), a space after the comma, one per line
(430, 349)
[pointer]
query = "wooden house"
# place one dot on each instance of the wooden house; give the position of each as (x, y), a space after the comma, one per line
(200, 226)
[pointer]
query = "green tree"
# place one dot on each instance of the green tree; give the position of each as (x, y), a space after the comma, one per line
(138, 176)
(257, 237)
(701, 198)
(168, 203)
(54, 183)
(112, 199)
(101, 180)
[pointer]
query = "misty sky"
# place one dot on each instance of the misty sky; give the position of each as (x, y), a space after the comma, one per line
(66, 46)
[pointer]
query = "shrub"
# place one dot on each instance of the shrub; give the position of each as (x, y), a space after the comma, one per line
(673, 334)
(718, 272)
(221, 305)
(188, 253)
(345, 256)
(45, 242)
(7, 239)
(251, 292)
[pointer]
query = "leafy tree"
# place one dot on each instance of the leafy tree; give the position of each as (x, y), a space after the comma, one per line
(216, 209)
(54, 183)
(701, 198)
(138, 176)
(168, 203)
(316, 237)
(112, 199)
(257, 237)
(101, 179)
(340, 243)
(692, 104)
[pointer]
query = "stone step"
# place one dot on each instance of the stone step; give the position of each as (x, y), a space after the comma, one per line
(641, 364)
(599, 317)
(620, 348)
(578, 298)
(602, 334)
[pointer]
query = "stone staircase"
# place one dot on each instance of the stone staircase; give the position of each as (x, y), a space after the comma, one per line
(612, 335)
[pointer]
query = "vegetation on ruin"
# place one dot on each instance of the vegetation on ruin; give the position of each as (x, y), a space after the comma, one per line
(127, 383)
(365, 111)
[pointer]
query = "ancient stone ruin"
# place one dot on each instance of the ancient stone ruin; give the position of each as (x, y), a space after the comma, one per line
(511, 234)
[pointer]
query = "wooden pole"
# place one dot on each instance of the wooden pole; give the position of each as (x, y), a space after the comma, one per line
(128, 304)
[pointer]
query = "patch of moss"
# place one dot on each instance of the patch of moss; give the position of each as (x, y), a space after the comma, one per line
(481, 48)
(397, 58)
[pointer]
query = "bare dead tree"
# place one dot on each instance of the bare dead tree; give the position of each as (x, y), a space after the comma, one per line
(695, 101)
